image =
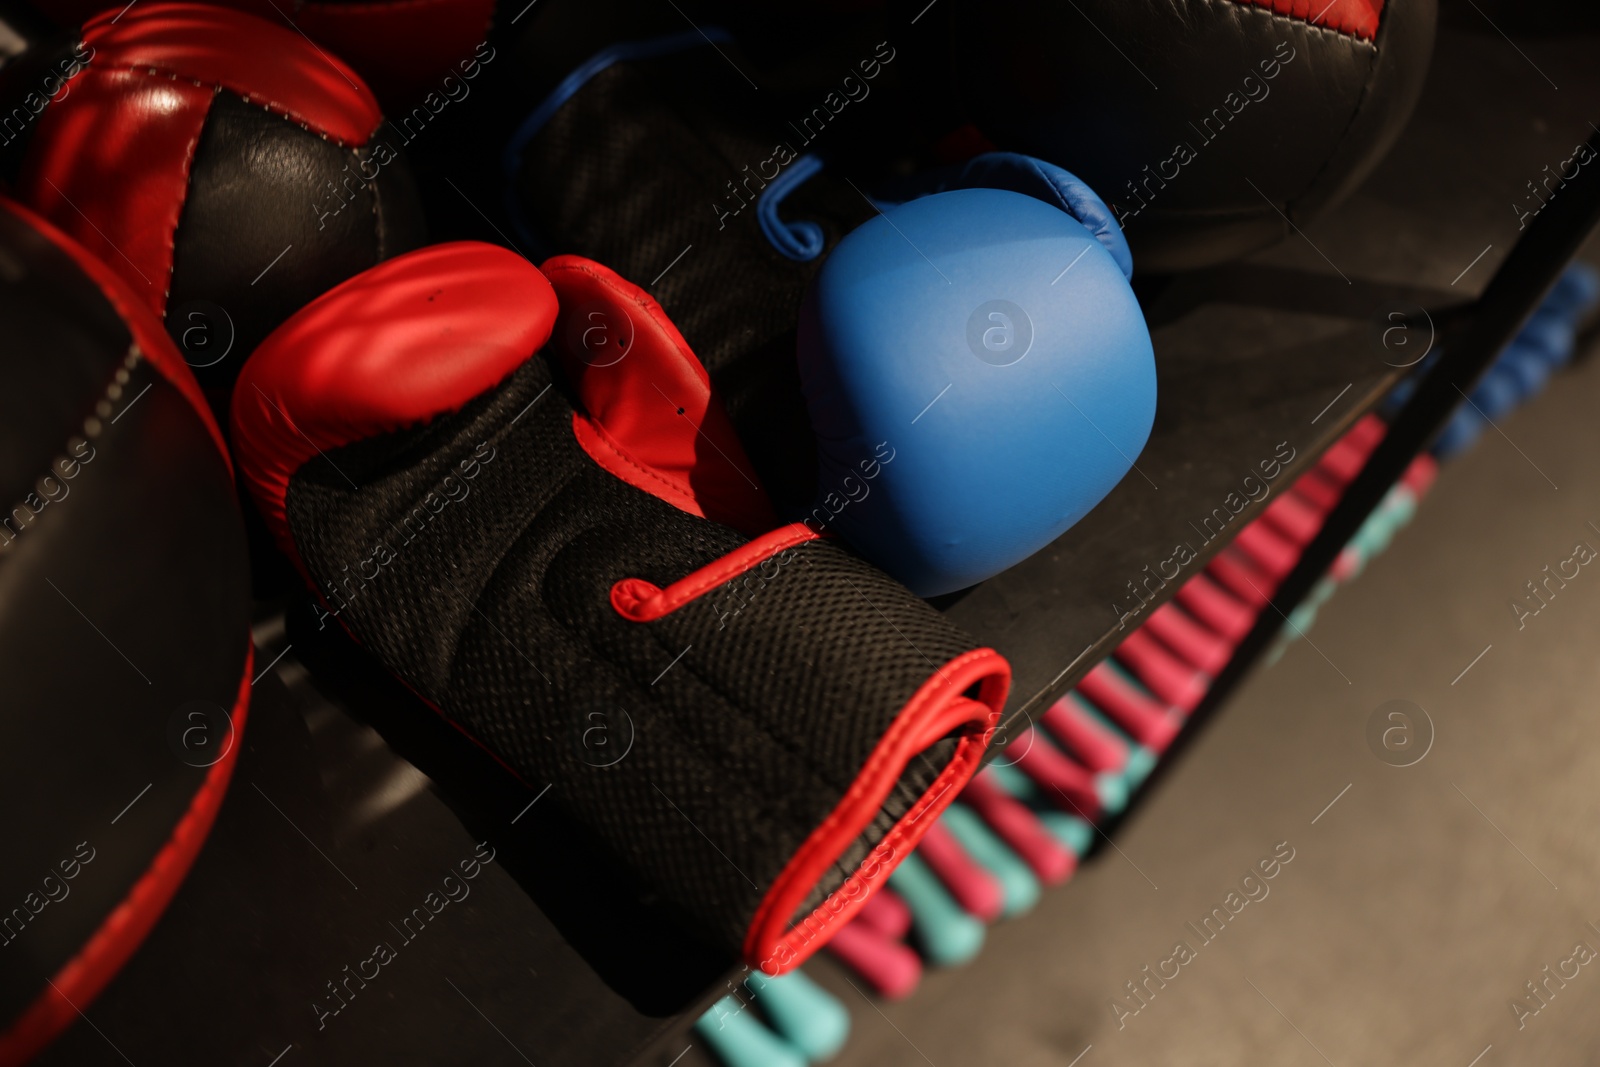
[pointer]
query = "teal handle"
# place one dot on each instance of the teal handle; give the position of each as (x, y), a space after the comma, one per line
(739, 1038)
(1013, 780)
(1141, 761)
(948, 935)
(1112, 789)
(1070, 830)
(1018, 884)
(811, 1018)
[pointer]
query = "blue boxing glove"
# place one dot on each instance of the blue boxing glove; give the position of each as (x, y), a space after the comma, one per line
(973, 367)
(977, 372)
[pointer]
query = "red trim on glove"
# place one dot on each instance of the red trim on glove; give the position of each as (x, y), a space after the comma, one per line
(110, 160)
(400, 344)
(640, 601)
(775, 943)
(650, 416)
(122, 931)
(1358, 18)
(268, 64)
(109, 164)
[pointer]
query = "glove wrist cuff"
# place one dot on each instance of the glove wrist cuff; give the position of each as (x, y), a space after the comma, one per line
(777, 941)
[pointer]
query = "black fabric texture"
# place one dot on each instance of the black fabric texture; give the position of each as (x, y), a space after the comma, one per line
(261, 186)
(635, 170)
(732, 726)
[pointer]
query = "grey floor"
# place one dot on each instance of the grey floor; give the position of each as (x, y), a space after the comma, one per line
(1416, 906)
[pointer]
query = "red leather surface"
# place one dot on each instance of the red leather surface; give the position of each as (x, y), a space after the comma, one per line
(100, 169)
(397, 345)
(1358, 18)
(103, 955)
(265, 62)
(776, 942)
(649, 416)
(402, 48)
(145, 327)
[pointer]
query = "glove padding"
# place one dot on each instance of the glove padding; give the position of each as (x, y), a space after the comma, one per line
(784, 720)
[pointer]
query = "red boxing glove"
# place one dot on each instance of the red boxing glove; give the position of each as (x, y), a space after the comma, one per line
(224, 166)
(558, 558)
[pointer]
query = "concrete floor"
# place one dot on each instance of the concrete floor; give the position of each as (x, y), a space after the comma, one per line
(1416, 906)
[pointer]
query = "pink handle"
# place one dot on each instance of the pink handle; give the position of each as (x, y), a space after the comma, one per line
(1212, 605)
(1295, 517)
(1420, 475)
(1147, 722)
(1240, 577)
(1018, 827)
(1367, 432)
(1268, 549)
(889, 967)
(974, 888)
(1345, 458)
(886, 913)
(1164, 674)
(1317, 491)
(1067, 784)
(1098, 748)
(1197, 646)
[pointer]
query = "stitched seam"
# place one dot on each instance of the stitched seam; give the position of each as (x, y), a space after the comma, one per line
(617, 451)
(188, 181)
(130, 360)
(960, 762)
(1296, 20)
(250, 98)
(1355, 113)
(904, 723)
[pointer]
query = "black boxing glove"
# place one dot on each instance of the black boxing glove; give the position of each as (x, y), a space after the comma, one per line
(124, 627)
(531, 566)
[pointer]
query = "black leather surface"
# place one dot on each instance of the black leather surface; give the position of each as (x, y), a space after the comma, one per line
(1109, 88)
(125, 598)
(260, 186)
(51, 375)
